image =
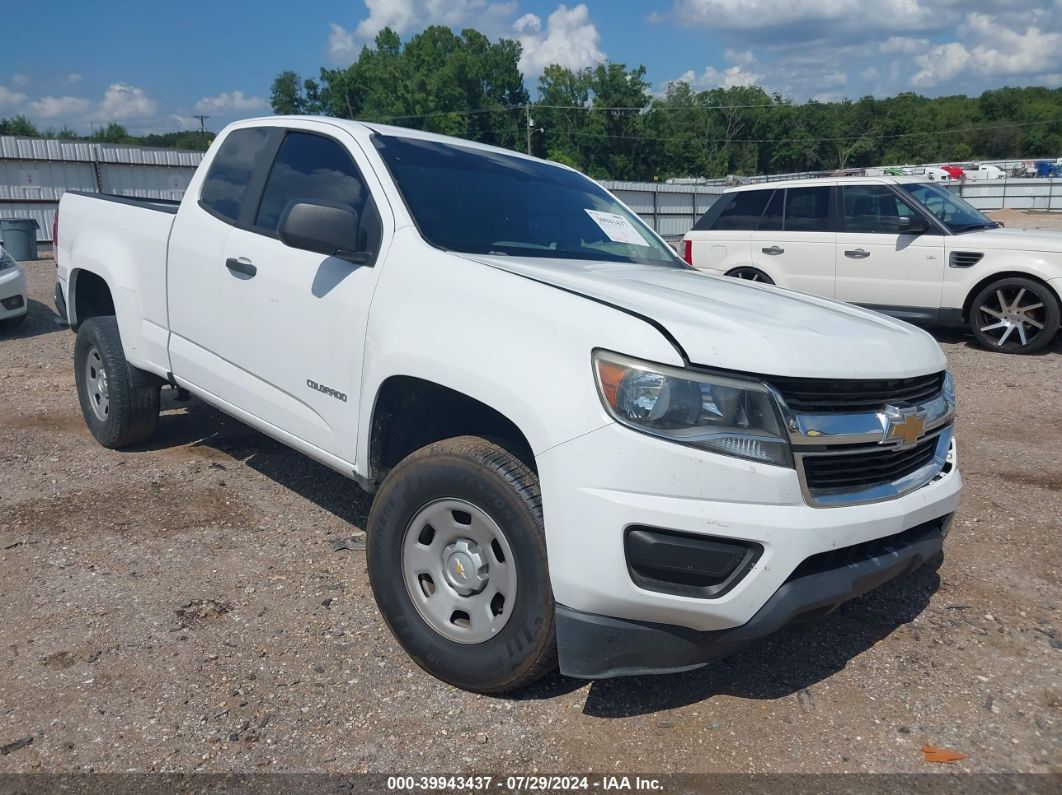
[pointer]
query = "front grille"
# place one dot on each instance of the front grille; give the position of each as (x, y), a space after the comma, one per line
(825, 396)
(857, 553)
(865, 468)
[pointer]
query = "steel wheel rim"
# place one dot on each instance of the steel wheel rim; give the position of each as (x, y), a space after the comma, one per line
(459, 571)
(1014, 315)
(97, 386)
(749, 275)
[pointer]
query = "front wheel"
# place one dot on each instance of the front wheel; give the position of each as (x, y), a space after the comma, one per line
(120, 403)
(1014, 315)
(457, 562)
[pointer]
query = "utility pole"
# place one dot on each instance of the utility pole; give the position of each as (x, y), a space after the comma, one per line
(202, 123)
(528, 121)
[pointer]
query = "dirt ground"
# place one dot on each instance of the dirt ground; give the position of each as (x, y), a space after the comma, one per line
(202, 604)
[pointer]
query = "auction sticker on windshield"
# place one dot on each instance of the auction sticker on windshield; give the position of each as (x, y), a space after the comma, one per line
(618, 228)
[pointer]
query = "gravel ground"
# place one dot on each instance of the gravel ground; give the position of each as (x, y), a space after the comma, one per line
(184, 607)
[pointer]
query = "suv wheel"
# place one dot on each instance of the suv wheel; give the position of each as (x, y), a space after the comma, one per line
(120, 403)
(1014, 315)
(457, 563)
(751, 274)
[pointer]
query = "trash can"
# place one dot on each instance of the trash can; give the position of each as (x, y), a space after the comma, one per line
(19, 237)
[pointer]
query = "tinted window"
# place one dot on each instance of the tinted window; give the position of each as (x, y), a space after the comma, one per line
(230, 172)
(772, 216)
(310, 168)
(744, 211)
(807, 209)
(490, 202)
(874, 209)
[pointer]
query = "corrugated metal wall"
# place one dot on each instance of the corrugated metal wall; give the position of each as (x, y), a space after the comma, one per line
(35, 172)
(669, 209)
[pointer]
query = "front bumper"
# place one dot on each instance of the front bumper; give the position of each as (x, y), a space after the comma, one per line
(596, 486)
(598, 647)
(13, 292)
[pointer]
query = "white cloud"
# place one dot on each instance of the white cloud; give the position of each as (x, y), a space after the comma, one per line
(230, 102)
(10, 99)
(989, 47)
(569, 39)
(757, 15)
(73, 78)
(902, 45)
(19, 80)
(406, 16)
(883, 46)
(122, 101)
(739, 73)
(60, 107)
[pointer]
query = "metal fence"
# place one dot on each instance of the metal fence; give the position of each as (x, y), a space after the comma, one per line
(35, 172)
(671, 210)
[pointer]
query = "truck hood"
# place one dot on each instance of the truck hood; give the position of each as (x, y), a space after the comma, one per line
(1012, 239)
(738, 325)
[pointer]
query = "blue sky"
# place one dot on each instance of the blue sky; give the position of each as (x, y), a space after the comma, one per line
(152, 67)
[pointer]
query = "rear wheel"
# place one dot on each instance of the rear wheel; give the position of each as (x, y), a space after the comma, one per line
(1014, 315)
(120, 403)
(751, 274)
(457, 563)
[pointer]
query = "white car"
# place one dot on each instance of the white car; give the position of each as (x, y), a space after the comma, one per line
(583, 451)
(13, 301)
(899, 245)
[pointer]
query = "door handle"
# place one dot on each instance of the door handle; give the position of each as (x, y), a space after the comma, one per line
(241, 265)
(857, 254)
(774, 251)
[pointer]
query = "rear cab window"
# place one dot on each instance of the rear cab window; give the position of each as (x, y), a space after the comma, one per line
(225, 186)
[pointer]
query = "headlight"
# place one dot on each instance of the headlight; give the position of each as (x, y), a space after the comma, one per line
(948, 389)
(723, 415)
(6, 261)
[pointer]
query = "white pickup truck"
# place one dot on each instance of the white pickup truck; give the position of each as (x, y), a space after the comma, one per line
(582, 449)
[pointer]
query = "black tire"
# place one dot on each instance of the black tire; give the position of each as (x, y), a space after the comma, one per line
(132, 411)
(989, 309)
(488, 477)
(750, 274)
(12, 323)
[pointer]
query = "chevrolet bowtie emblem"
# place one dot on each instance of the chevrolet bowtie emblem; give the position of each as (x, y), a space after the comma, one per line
(903, 426)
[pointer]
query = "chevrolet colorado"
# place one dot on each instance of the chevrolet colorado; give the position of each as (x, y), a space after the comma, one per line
(583, 451)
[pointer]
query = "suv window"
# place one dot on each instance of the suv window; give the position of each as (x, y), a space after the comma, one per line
(874, 209)
(310, 168)
(807, 209)
(772, 216)
(744, 211)
(230, 172)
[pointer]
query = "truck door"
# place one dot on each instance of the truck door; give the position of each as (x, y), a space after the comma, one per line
(296, 319)
(195, 272)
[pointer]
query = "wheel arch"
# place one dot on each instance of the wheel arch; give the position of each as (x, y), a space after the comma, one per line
(967, 304)
(439, 412)
(89, 296)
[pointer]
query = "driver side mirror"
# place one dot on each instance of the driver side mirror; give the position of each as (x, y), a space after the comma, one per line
(324, 228)
(913, 225)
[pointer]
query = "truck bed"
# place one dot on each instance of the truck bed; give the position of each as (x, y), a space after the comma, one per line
(123, 240)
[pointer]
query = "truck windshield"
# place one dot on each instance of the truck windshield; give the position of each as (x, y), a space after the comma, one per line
(954, 212)
(482, 202)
